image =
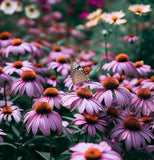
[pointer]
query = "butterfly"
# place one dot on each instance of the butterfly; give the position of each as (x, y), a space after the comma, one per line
(79, 75)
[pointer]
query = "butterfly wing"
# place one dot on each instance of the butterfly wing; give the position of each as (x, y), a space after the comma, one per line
(78, 77)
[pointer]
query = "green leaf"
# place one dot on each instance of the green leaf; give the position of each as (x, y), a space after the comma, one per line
(44, 155)
(68, 135)
(64, 155)
(36, 138)
(8, 144)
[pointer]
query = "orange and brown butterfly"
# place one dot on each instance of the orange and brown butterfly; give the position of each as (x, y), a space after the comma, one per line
(79, 75)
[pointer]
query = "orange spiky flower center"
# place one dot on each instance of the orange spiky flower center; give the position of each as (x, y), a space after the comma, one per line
(93, 154)
(122, 57)
(5, 35)
(61, 59)
(91, 118)
(18, 64)
(144, 93)
(53, 77)
(110, 83)
(28, 76)
(132, 123)
(6, 110)
(43, 108)
(16, 42)
(138, 64)
(84, 93)
(51, 92)
(112, 111)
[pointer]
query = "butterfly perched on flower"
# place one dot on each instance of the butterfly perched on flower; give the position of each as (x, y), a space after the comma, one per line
(79, 75)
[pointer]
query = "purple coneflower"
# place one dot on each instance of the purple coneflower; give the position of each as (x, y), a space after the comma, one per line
(68, 50)
(142, 69)
(132, 133)
(55, 53)
(5, 39)
(52, 96)
(105, 93)
(131, 38)
(52, 80)
(91, 122)
(28, 83)
(91, 151)
(61, 65)
(83, 98)
(7, 112)
(40, 68)
(18, 67)
(88, 55)
(144, 101)
(37, 51)
(4, 77)
(43, 118)
(18, 47)
(148, 83)
(121, 65)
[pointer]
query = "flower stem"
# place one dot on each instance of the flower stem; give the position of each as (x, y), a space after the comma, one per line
(79, 137)
(20, 133)
(86, 138)
(5, 94)
(50, 147)
(17, 143)
(106, 48)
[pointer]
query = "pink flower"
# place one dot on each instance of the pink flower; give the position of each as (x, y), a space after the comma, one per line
(18, 67)
(7, 112)
(132, 133)
(140, 9)
(121, 65)
(130, 38)
(57, 15)
(37, 51)
(18, 47)
(110, 86)
(91, 122)
(61, 65)
(148, 83)
(39, 68)
(28, 83)
(142, 69)
(87, 151)
(52, 96)
(87, 55)
(144, 101)
(57, 29)
(110, 55)
(57, 52)
(53, 80)
(5, 39)
(83, 98)
(43, 118)
(114, 18)
(84, 15)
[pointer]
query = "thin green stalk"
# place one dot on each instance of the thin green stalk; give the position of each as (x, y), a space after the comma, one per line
(79, 137)
(50, 147)
(5, 94)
